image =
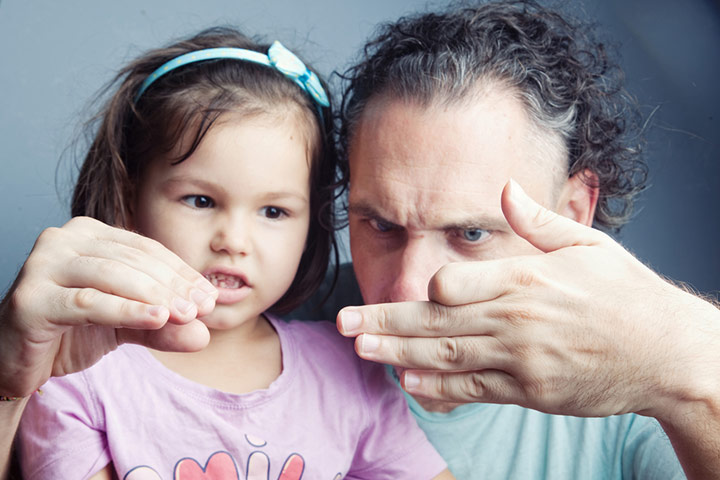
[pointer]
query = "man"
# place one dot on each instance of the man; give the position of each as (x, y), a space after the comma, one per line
(501, 301)
(447, 120)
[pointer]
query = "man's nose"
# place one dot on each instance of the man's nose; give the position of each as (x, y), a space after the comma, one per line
(416, 262)
(233, 235)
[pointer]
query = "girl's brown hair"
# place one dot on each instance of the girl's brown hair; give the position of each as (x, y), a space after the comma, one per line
(184, 104)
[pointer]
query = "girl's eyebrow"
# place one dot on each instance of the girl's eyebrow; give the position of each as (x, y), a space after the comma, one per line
(205, 185)
(286, 195)
(189, 180)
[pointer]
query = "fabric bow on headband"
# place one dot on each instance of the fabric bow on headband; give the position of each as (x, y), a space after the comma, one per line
(278, 57)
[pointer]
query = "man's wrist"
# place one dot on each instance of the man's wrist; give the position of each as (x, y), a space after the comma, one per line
(692, 389)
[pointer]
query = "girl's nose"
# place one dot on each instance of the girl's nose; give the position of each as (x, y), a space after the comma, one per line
(233, 236)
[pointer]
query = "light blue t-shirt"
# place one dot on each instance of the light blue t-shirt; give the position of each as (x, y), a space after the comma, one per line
(487, 441)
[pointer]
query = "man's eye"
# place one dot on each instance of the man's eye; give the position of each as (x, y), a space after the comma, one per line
(475, 234)
(199, 201)
(380, 226)
(273, 212)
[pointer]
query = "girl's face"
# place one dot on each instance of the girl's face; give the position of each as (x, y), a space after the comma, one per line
(237, 211)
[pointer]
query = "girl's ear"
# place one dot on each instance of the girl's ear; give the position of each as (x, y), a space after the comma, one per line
(579, 197)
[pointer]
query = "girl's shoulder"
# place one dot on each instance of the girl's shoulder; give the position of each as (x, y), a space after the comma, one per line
(310, 332)
(318, 343)
(321, 329)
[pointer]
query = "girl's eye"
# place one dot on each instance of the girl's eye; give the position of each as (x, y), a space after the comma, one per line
(199, 201)
(475, 234)
(273, 212)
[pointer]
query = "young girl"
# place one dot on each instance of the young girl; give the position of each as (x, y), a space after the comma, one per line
(222, 151)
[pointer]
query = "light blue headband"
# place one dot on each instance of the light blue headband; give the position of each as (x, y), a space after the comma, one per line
(278, 57)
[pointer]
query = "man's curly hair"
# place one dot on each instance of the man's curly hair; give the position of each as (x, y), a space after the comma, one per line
(564, 77)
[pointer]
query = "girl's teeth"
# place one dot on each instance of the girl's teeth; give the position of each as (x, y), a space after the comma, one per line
(224, 281)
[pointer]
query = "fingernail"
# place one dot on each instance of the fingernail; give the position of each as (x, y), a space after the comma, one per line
(516, 192)
(350, 320)
(199, 297)
(411, 381)
(369, 343)
(206, 286)
(182, 305)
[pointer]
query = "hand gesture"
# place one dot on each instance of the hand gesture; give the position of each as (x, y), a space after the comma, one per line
(582, 329)
(87, 288)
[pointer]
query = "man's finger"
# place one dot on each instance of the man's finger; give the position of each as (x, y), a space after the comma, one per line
(414, 319)
(76, 307)
(486, 386)
(466, 283)
(443, 353)
(98, 231)
(544, 229)
(184, 300)
(190, 337)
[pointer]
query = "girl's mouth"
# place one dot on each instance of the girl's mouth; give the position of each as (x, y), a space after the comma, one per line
(221, 280)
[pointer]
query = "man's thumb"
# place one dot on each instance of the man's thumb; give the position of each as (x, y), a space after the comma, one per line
(543, 228)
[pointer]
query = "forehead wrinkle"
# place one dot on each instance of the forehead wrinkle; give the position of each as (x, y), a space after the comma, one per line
(425, 208)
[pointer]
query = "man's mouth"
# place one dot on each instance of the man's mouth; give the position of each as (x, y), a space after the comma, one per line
(221, 280)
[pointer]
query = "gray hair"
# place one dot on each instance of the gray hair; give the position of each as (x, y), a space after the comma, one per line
(563, 77)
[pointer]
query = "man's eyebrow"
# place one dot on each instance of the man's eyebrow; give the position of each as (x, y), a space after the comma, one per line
(481, 221)
(365, 210)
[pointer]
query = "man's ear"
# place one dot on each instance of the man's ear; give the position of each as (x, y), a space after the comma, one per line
(579, 197)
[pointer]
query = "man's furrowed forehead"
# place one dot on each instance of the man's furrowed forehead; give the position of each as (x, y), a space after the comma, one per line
(446, 164)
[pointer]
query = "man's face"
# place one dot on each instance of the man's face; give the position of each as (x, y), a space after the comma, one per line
(425, 185)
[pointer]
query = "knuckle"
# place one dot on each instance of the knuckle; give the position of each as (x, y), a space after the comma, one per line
(382, 318)
(535, 387)
(85, 298)
(434, 322)
(523, 276)
(444, 386)
(517, 316)
(403, 350)
(21, 298)
(439, 286)
(475, 386)
(543, 217)
(82, 223)
(449, 351)
(179, 286)
(50, 236)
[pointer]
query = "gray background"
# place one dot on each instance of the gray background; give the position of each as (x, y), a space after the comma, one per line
(55, 54)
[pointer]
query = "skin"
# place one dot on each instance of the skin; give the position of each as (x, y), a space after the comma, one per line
(506, 295)
(66, 310)
(223, 210)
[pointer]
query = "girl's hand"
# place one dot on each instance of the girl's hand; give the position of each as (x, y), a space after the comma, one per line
(87, 288)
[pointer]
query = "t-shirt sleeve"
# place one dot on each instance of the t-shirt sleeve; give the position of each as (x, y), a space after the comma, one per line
(392, 445)
(61, 433)
(648, 453)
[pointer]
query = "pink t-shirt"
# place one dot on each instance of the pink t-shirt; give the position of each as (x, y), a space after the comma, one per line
(329, 415)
